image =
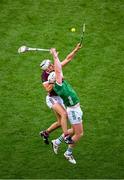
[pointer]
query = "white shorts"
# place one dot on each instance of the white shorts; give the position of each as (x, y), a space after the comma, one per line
(75, 114)
(51, 100)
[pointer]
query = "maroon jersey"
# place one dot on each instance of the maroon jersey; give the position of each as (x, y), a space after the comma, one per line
(44, 78)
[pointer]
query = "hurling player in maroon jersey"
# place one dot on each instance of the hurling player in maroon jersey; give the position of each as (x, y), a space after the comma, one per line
(53, 101)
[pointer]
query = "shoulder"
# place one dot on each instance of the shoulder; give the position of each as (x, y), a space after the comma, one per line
(58, 86)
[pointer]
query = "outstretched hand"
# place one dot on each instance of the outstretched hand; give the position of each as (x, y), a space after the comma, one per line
(78, 46)
(53, 52)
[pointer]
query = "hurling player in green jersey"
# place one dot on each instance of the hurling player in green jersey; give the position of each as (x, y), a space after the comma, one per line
(71, 101)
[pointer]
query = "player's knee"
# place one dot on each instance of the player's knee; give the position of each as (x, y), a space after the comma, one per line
(58, 123)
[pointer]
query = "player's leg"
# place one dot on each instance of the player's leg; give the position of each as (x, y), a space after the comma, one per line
(78, 133)
(63, 114)
(75, 118)
(56, 142)
(54, 125)
(51, 101)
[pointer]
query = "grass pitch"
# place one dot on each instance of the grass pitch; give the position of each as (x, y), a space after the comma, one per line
(96, 73)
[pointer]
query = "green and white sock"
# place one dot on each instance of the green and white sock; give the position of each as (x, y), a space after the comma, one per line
(69, 151)
(60, 139)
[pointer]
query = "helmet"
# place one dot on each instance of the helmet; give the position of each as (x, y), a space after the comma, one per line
(52, 77)
(45, 64)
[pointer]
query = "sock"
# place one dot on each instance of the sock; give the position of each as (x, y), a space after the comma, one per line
(69, 151)
(59, 140)
(66, 135)
(46, 133)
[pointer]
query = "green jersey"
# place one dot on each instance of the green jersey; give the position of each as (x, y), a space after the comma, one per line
(66, 92)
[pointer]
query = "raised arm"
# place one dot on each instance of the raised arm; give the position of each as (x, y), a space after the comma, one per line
(57, 66)
(71, 55)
